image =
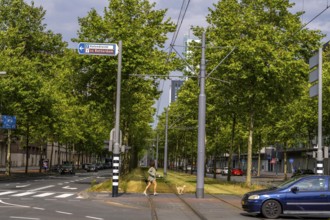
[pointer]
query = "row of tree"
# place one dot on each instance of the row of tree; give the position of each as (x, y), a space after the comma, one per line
(260, 92)
(60, 96)
(259, 95)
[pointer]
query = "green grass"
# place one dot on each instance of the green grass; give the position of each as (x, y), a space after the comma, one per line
(134, 183)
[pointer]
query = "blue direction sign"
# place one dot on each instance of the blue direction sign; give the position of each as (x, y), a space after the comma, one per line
(86, 48)
(8, 122)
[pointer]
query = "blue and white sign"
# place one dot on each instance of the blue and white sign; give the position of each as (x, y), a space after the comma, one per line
(291, 160)
(8, 122)
(86, 48)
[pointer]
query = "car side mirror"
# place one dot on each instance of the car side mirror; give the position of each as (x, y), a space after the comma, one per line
(294, 189)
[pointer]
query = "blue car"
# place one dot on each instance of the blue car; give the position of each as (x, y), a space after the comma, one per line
(301, 196)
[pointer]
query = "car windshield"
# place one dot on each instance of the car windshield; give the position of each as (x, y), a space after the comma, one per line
(287, 183)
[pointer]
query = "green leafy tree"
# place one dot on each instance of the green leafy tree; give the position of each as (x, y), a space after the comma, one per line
(125, 20)
(29, 50)
(268, 64)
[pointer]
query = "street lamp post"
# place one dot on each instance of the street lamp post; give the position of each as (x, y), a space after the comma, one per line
(201, 127)
(165, 148)
(3, 73)
(156, 164)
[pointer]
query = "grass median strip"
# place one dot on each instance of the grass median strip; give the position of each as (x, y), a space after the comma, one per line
(134, 182)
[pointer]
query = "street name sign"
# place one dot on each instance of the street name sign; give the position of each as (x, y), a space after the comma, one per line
(105, 49)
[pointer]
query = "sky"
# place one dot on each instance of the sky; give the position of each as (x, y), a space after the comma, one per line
(62, 17)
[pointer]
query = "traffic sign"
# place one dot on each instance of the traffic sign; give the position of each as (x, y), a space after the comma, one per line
(86, 48)
(8, 122)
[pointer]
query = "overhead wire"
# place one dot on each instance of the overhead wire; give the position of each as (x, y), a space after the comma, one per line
(326, 8)
(183, 11)
(182, 14)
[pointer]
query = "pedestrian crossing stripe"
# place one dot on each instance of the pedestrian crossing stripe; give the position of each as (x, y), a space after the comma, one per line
(43, 195)
(23, 194)
(64, 195)
(35, 195)
(7, 192)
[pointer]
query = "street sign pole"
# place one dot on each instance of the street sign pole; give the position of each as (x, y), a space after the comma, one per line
(8, 122)
(109, 49)
(116, 153)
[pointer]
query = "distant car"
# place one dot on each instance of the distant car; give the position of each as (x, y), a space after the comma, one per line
(218, 170)
(190, 168)
(209, 169)
(224, 171)
(237, 172)
(66, 168)
(300, 172)
(300, 196)
(91, 168)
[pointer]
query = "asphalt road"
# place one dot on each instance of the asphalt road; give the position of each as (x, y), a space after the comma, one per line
(60, 197)
(51, 197)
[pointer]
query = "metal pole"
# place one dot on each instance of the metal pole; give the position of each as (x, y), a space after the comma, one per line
(165, 148)
(319, 162)
(157, 152)
(201, 127)
(116, 153)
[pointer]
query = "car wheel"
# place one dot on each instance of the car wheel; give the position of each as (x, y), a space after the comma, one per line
(271, 209)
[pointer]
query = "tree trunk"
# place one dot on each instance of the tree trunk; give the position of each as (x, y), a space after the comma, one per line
(51, 156)
(231, 148)
(285, 163)
(259, 156)
(249, 151)
(27, 149)
(58, 154)
(8, 161)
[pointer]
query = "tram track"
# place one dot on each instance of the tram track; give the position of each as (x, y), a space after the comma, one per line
(188, 203)
(152, 204)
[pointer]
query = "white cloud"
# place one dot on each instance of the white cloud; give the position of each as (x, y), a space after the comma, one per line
(62, 15)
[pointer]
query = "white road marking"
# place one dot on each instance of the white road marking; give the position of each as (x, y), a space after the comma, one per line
(23, 194)
(65, 195)
(22, 186)
(14, 205)
(7, 192)
(68, 187)
(94, 217)
(45, 187)
(66, 213)
(43, 195)
(16, 217)
(38, 208)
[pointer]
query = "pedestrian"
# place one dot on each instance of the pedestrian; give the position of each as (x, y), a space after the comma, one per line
(45, 165)
(151, 178)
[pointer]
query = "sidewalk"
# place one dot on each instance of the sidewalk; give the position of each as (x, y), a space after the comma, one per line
(19, 172)
(170, 206)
